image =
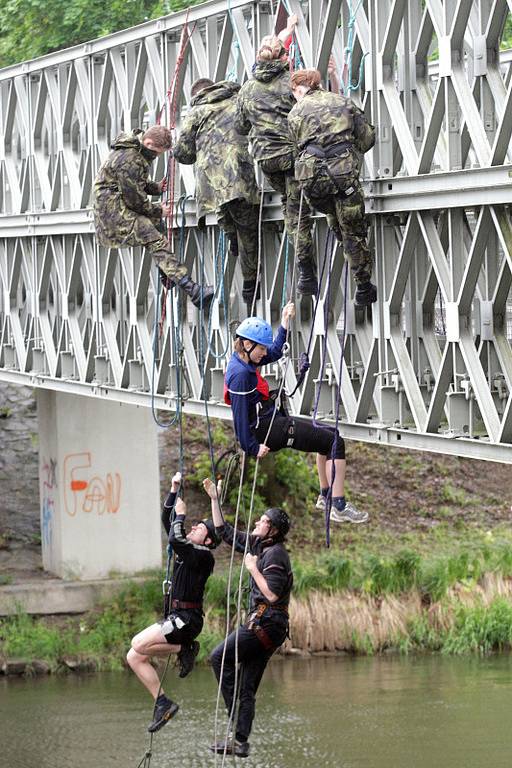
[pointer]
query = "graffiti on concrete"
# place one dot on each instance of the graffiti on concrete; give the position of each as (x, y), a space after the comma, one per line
(92, 495)
(49, 478)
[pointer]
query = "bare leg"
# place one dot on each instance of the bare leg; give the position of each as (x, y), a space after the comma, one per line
(340, 466)
(149, 642)
(321, 469)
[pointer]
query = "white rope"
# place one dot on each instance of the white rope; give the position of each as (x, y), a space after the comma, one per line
(260, 247)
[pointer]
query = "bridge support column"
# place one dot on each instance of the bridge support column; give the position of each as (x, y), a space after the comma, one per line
(99, 487)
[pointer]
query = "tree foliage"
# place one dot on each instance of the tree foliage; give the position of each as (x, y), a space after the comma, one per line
(31, 28)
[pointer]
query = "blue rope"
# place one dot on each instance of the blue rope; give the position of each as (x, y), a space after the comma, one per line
(328, 501)
(223, 299)
(349, 49)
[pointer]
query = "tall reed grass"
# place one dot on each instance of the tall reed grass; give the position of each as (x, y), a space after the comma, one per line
(457, 603)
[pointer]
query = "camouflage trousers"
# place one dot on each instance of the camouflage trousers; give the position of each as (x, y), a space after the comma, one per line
(145, 233)
(239, 220)
(279, 172)
(347, 218)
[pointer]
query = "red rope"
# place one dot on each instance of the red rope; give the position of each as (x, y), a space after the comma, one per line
(171, 101)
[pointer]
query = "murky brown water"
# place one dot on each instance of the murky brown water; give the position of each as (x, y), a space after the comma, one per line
(424, 712)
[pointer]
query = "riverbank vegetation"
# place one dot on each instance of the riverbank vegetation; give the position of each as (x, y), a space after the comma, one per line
(454, 599)
(431, 571)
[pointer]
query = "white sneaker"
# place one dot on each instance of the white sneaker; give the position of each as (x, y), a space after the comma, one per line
(320, 503)
(348, 515)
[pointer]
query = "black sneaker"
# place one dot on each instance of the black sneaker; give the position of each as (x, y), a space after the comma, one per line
(164, 710)
(236, 748)
(187, 657)
(366, 294)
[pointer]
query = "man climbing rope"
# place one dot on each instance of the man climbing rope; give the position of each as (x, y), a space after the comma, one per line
(254, 410)
(262, 109)
(329, 135)
(123, 214)
(266, 627)
(225, 181)
(176, 633)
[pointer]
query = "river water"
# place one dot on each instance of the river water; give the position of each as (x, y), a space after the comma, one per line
(385, 712)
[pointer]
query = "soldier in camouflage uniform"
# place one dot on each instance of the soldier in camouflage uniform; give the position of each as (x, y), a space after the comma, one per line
(262, 111)
(329, 134)
(225, 181)
(123, 214)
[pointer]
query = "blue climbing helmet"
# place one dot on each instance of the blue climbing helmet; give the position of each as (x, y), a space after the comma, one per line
(257, 330)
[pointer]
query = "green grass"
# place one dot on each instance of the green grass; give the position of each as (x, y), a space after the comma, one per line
(387, 569)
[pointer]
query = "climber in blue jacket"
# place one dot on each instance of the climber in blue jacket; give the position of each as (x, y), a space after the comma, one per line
(262, 424)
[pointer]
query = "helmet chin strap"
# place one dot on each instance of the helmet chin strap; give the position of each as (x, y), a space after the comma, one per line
(249, 351)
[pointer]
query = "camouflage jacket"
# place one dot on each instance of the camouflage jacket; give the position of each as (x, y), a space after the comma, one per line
(325, 119)
(223, 167)
(121, 190)
(262, 110)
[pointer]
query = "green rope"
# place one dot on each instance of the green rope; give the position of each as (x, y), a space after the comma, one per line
(349, 50)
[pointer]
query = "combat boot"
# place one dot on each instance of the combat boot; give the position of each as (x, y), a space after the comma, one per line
(248, 291)
(307, 284)
(366, 294)
(199, 295)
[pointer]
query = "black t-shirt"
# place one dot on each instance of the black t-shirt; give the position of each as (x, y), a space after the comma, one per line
(273, 562)
(194, 563)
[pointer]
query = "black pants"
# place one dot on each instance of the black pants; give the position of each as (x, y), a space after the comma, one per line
(253, 659)
(306, 437)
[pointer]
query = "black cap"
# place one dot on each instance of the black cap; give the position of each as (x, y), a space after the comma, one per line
(279, 519)
(212, 534)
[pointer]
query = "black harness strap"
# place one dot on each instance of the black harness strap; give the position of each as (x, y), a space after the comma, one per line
(334, 150)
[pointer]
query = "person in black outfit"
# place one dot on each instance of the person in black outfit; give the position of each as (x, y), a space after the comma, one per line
(267, 624)
(176, 633)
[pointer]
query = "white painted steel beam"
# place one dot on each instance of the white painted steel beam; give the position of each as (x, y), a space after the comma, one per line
(430, 367)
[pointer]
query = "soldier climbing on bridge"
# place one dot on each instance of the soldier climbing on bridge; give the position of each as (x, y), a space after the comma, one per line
(262, 110)
(123, 214)
(184, 620)
(225, 181)
(329, 135)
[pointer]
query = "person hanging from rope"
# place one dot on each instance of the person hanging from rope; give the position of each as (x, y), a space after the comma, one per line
(176, 633)
(255, 408)
(225, 181)
(329, 135)
(266, 627)
(262, 108)
(123, 213)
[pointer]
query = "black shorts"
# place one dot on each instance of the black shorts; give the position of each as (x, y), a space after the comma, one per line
(306, 436)
(192, 626)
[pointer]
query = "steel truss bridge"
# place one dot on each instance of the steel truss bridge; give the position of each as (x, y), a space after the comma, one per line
(431, 368)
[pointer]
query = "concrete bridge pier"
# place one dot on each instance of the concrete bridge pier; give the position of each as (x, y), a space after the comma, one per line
(99, 487)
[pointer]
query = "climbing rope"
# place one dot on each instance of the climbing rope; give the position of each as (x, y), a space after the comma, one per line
(223, 299)
(175, 332)
(346, 81)
(328, 501)
(260, 247)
